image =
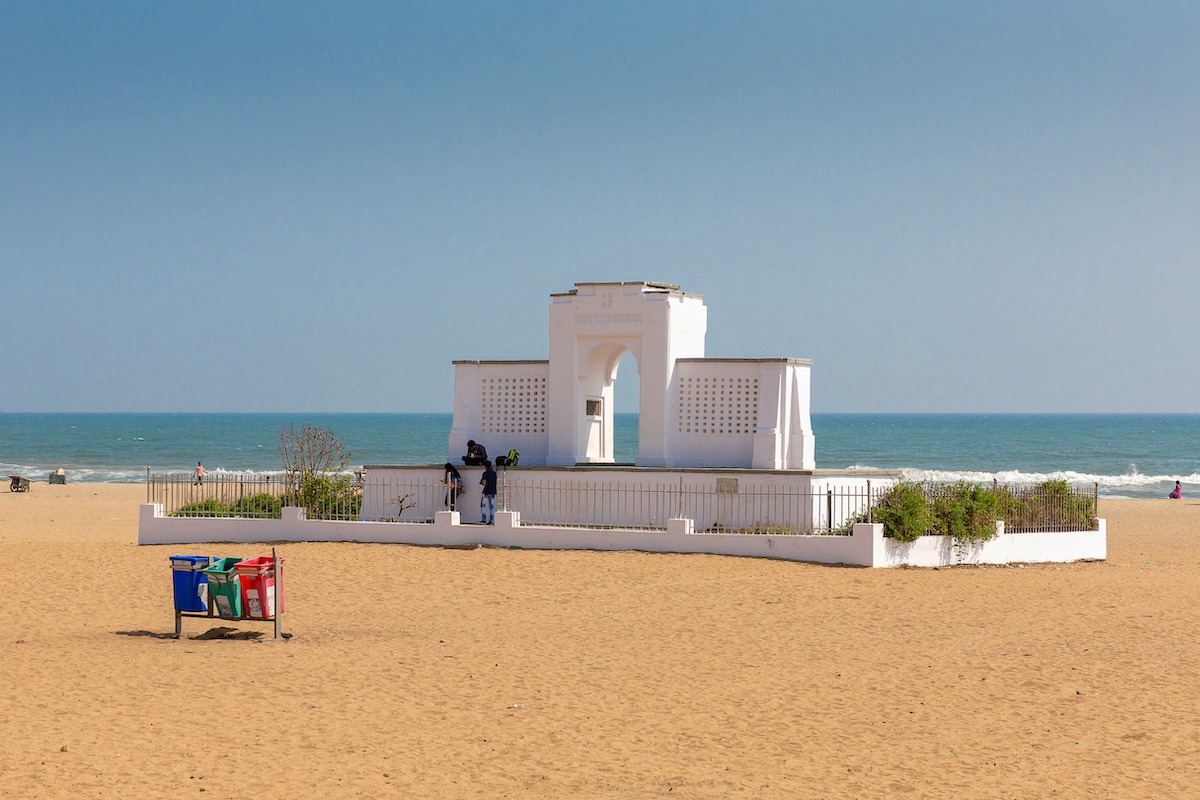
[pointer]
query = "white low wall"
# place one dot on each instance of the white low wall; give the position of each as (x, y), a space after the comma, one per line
(1003, 548)
(865, 547)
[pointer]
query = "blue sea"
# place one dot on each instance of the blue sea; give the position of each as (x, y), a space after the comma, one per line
(1127, 455)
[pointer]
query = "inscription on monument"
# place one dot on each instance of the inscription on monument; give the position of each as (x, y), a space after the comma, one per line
(584, 319)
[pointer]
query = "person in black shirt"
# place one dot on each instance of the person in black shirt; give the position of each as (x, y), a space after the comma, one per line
(454, 486)
(476, 454)
(487, 500)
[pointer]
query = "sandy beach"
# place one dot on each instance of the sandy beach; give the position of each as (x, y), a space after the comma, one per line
(425, 672)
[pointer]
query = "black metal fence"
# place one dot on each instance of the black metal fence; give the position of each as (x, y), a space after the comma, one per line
(717, 505)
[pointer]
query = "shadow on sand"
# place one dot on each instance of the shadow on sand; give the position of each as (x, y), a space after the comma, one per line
(212, 633)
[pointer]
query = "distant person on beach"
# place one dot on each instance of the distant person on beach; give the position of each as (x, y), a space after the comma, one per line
(1178, 493)
(199, 473)
(476, 454)
(487, 500)
(454, 486)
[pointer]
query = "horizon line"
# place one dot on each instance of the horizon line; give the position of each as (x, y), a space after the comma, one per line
(844, 413)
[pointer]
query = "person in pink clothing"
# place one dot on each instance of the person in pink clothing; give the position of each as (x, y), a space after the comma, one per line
(1178, 493)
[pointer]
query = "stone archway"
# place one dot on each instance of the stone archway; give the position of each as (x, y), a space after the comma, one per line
(591, 330)
(597, 389)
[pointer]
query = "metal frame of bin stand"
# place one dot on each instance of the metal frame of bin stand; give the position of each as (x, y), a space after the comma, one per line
(275, 619)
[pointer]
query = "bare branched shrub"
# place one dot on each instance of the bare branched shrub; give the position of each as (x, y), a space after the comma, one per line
(311, 451)
(315, 462)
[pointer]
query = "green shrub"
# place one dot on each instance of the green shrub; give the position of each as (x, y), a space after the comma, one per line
(204, 508)
(904, 512)
(265, 506)
(967, 512)
(325, 496)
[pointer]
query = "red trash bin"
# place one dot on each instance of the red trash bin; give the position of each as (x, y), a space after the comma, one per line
(258, 578)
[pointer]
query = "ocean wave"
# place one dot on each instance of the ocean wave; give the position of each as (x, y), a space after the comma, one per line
(1131, 484)
(78, 474)
(1112, 486)
(41, 472)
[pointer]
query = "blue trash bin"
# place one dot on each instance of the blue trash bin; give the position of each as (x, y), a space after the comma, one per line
(187, 577)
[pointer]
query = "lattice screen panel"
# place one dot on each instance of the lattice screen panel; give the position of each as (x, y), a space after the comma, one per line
(718, 406)
(514, 405)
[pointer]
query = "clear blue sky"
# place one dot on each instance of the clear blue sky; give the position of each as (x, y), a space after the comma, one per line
(299, 206)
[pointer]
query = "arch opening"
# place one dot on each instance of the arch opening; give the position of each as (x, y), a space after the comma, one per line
(626, 399)
(598, 402)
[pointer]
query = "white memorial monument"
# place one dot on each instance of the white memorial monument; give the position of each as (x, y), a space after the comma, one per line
(692, 411)
(724, 461)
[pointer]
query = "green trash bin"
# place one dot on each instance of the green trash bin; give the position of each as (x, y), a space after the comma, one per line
(224, 587)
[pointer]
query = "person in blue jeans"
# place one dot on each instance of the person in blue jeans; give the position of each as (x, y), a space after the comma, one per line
(487, 501)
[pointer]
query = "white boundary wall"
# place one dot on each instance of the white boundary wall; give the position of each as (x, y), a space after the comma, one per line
(865, 547)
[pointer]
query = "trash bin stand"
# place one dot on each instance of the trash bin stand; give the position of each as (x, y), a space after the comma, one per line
(275, 594)
(275, 619)
(179, 615)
